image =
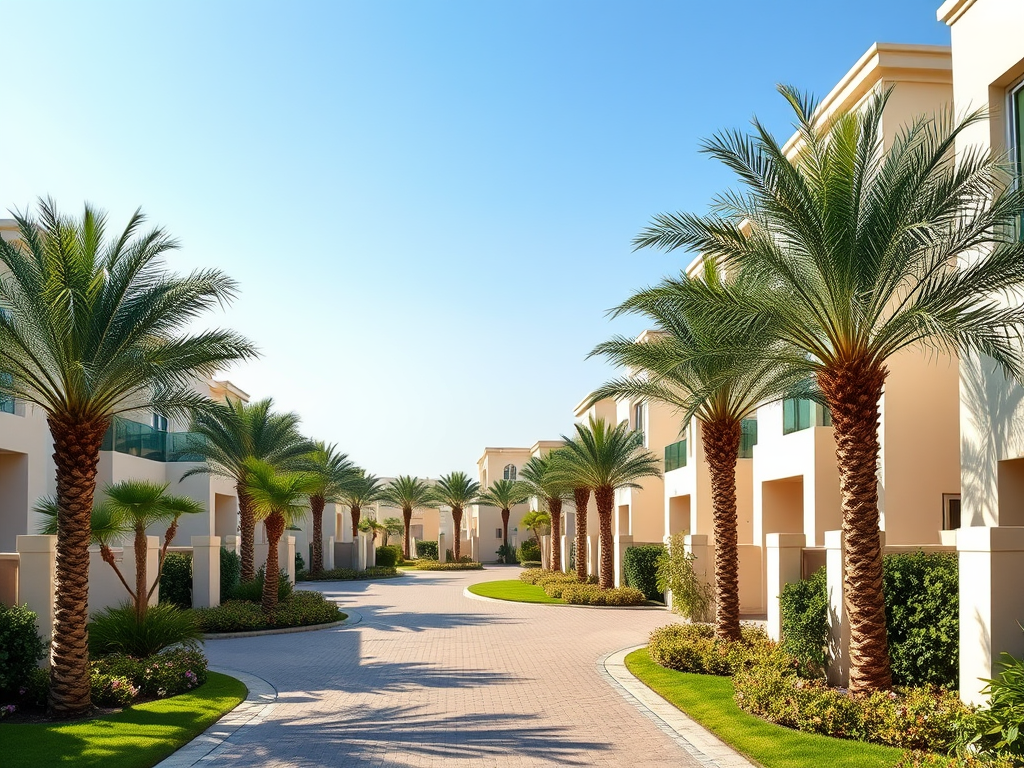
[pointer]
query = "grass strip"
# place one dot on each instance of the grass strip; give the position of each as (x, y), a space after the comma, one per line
(136, 737)
(709, 700)
(515, 591)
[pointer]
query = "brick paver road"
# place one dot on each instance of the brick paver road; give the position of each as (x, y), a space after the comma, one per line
(430, 678)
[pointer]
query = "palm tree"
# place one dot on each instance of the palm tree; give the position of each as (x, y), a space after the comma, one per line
(92, 327)
(279, 500)
(855, 247)
(332, 473)
(407, 493)
(228, 435)
(539, 475)
(605, 458)
(715, 374)
(130, 507)
(536, 520)
(505, 494)
(375, 529)
(456, 490)
(362, 490)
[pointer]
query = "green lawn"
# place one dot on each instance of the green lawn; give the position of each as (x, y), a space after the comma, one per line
(708, 700)
(137, 737)
(515, 590)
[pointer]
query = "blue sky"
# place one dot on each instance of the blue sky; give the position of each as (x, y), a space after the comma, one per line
(428, 206)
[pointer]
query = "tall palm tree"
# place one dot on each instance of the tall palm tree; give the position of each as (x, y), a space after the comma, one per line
(228, 435)
(92, 327)
(605, 458)
(539, 475)
(332, 472)
(458, 491)
(855, 246)
(407, 493)
(279, 500)
(362, 490)
(505, 494)
(715, 374)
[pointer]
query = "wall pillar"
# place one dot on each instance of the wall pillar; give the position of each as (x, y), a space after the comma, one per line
(37, 574)
(566, 546)
(205, 571)
(622, 543)
(361, 551)
(442, 553)
(371, 552)
(593, 555)
(784, 556)
(329, 554)
(9, 566)
(545, 552)
(286, 553)
(231, 543)
(696, 544)
(991, 561)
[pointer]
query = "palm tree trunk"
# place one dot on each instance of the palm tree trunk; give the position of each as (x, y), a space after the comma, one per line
(555, 508)
(721, 449)
(316, 508)
(76, 453)
(407, 517)
(247, 532)
(457, 521)
(605, 498)
(504, 526)
(355, 513)
(581, 497)
(275, 529)
(853, 390)
(141, 582)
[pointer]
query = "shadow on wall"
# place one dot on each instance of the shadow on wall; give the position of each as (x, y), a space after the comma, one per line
(989, 431)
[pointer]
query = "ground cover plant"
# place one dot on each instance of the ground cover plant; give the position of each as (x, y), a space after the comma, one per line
(434, 565)
(136, 737)
(348, 574)
(300, 609)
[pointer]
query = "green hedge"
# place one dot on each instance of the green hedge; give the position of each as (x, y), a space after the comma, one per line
(176, 580)
(591, 594)
(426, 550)
(389, 556)
(300, 609)
(347, 574)
(433, 565)
(694, 648)
(640, 567)
(804, 607)
(20, 648)
(529, 550)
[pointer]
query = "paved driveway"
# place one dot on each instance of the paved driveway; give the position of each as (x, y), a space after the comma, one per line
(432, 678)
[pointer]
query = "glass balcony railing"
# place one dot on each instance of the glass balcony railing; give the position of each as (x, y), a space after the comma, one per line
(748, 438)
(6, 404)
(136, 439)
(798, 414)
(675, 456)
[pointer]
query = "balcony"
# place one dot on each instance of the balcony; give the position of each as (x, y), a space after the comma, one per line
(6, 404)
(135, 439)
(675, 456)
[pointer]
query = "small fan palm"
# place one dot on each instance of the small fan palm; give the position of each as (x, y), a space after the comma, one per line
(605, 458)
(456, 490)
(855, 247)
(279, 500)
(537, 521)
(92, 327)
(361, 491)
(407, 494)
(716, 374)
(505, 494)
(544, 482)
(332, 472)
(232, 433)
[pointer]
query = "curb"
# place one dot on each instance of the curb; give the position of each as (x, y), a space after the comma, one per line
(258, 704)
(698, 742)
(474, 596)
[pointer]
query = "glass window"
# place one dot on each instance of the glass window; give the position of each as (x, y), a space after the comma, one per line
(510, 471)
(748, 438)
(497, 533)
(796, 415)
(675, 456)
(1017, 133)
(950, 511)
(159, 422)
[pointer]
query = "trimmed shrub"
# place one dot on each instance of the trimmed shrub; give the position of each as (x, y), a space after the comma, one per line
(389, 556)
(111, 690)
(20, 647)
(529, 550)
(507, 554)
(531, 563)
(694, 648)
(433, 565)
(165, 674)
(426, 550)
(533, 576)
(640, 567)
(300, 609)
(591, 594)
(117, 630)
(804, 606)
(347, 574)
(691, 597)
(920, 759)
(35, 689)
(230, 572)
(176, 580)
(253, 590)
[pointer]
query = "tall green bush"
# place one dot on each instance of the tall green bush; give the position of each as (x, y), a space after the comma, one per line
(119, 630)
(426, 550)
(20, 647)
(176, 580)
(691, 597)
(230, 572)
(253, 590)
(529, 550)
(640, 567)
(804, 606)
(389, 556)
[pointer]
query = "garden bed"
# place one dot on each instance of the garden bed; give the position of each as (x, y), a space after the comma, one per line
(434, 565)
(299, 609)
(347, 574)
(515, 591)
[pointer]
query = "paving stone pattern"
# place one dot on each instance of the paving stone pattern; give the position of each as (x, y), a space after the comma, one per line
(429, 678)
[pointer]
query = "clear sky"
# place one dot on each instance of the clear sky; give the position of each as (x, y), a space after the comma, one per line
(428, 205)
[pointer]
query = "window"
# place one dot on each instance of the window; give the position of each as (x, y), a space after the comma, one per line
(510, 471)
(1017, 133)
(159, 422)
(796, 415)
(638, 417)
(6, 401)
(950, 511)
(675, 456)
(748, 438)
(497, 533)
